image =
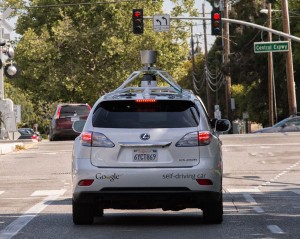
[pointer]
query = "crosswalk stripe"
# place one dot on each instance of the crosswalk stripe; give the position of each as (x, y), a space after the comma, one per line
(13, 228)
(39, 193)
(296, 191)
(275, 229)
(243, 190)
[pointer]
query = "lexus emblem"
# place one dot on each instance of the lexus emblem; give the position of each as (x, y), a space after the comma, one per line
(145, 136)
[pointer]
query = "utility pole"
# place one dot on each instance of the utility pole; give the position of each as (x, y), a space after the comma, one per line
(289, 61)
(205, 64)
(1, 70)
(227, 61)
(192, 53)
(270, 71)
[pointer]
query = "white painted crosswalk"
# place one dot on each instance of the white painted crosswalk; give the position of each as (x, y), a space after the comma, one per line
(14, 227)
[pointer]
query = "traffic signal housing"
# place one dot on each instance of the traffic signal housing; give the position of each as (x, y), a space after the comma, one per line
(216, 23)
(138, 21)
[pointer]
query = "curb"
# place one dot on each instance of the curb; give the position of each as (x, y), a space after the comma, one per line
(9, 147)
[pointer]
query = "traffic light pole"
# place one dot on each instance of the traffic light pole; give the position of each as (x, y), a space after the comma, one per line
(208, 99)
(249, 24)
(1, 70)
(2, 129)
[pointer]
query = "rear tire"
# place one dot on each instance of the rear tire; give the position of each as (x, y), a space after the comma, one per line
(82, 213)
(213, 212)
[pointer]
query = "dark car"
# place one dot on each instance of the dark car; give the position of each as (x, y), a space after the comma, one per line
(291, 124)
(28, 133)
(64, 116)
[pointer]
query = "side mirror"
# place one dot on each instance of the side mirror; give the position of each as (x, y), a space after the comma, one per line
(78, 125)
(222, 125)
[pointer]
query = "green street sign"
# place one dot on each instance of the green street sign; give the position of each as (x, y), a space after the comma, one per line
(274, 46)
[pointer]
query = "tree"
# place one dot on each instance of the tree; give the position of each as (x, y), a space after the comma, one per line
(76, 53)
(248, 70)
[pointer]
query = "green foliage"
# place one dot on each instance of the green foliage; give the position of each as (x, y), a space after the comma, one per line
(249, 74)
(78, 53)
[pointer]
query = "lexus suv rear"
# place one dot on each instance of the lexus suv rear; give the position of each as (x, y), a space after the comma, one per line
(148, 147)
(62, 121)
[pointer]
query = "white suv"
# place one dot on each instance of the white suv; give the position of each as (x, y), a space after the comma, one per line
(148, 147)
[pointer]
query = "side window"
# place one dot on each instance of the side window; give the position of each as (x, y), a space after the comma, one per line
(292, 122)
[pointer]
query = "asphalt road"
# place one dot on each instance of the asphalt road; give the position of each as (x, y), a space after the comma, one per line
(261, 196)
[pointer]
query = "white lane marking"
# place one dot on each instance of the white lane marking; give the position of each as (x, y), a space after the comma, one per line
(27, 198)
(275, 229)
(258, 209)
(1, 192)
(47, 193)
(260, 145)
(249, 198)
(296, 191)
(243, 190)
(265, 147)
(13, 228)
(288, 169)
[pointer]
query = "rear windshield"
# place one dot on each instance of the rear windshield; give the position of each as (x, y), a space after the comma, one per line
(25, 131)
(160, 114)
(73, 110)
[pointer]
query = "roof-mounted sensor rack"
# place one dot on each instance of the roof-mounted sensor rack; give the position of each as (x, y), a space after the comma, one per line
(148, 84)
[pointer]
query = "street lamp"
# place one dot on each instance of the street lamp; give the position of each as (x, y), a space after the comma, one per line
(266, 11)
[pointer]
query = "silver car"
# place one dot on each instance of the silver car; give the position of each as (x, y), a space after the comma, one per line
(146, 147)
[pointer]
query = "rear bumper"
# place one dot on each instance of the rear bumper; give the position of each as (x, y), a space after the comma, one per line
(65, 133)
(139, 198)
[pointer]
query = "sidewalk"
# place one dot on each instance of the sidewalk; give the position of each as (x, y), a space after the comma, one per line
(7, 146)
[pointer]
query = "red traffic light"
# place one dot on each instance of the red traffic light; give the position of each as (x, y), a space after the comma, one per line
(216, 23)
(137, 21)
(137, 14)
(217, 16)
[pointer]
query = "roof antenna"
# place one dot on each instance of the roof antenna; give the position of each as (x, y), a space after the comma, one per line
(148, 58)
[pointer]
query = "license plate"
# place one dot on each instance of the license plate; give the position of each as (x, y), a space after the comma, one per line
(74, 119)
(145, 155)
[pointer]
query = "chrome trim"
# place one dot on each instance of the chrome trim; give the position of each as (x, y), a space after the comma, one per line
(142, 144)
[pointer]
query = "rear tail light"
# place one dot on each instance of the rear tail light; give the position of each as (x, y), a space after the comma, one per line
(200, 138)
(205, 182)
(86, 138)
(86, 182)
(34, 137)
(204, 137)
(89, 107)
(94, 139)
(58, 113)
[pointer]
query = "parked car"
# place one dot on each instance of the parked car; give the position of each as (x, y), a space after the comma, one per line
(64, 116)
(148, 147)
(28, 133)
(291, 124)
